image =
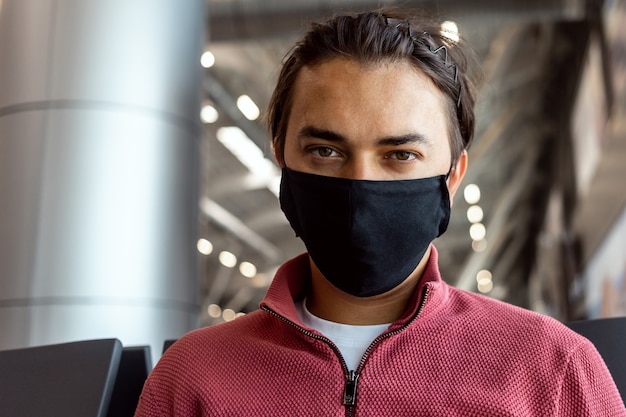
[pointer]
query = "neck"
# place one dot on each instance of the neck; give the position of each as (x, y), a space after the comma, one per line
(330, 303)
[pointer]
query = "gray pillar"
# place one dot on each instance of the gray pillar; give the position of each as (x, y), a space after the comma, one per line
(98, 169)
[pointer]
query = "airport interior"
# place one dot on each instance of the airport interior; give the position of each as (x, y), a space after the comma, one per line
(139, 191)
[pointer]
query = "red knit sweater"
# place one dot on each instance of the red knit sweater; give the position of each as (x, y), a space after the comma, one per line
(453, 353)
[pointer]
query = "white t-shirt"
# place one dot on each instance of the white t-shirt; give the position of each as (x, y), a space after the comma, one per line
(352, 340)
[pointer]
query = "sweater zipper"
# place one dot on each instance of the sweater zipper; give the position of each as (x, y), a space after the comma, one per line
(352, 377)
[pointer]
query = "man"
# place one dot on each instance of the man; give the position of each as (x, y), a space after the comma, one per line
(371, 120)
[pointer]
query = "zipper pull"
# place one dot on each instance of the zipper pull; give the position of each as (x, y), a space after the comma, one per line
(349, 394)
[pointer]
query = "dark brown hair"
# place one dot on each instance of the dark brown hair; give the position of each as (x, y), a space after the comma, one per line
(377, 37)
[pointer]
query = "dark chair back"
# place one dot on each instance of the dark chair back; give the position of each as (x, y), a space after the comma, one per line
(135, 365)
(69, 379)
(167, 344)
(609, 337)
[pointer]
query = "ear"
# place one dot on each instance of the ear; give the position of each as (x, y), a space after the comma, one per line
(278, 156)
(456, 175)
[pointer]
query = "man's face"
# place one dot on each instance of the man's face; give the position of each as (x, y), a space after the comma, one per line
(385, 122)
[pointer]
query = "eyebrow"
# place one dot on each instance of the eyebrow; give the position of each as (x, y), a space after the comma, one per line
(314, 132)
(329, 135)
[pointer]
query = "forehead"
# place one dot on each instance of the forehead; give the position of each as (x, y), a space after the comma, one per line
(345, 71)
(379, 98)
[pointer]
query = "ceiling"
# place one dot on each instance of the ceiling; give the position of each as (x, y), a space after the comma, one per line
(530, 53)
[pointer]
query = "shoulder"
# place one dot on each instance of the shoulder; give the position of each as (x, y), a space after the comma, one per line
(545, 362)
(209, 343)
(521, 331)
(482, 308)
(197, 366)
(201, 350)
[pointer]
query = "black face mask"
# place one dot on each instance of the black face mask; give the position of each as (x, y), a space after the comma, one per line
(366, 237)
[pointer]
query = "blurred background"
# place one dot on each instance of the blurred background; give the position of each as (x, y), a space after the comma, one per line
(138, 195)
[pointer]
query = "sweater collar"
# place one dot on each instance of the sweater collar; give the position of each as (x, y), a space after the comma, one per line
(293, 278)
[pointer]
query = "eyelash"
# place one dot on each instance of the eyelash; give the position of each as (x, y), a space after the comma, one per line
(412, 155)
(316, 151)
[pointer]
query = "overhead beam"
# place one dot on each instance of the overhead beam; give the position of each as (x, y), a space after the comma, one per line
(227, 103)
(254, 19)
(236, 227)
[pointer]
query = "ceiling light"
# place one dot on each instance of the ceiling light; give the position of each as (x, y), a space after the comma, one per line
(204, 246)
(208, 114)
(475, 214)
(484, 279)
(240, 145)
(274, 184)
(483, 274)
(207, 59)
(214, 311)
(248, 107)
(479, 245)
(228, 314)
(247, 269)
(227, 259)
(450, 30)
(471, 194)
(477, 231)
(485, 285)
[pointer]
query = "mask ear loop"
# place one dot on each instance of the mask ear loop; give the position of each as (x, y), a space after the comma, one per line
(449, 171)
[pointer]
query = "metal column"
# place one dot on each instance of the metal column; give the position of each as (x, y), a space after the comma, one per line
(98, 169)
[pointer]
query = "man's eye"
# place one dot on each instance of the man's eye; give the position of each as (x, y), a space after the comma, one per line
(324, 151)
(403, 156)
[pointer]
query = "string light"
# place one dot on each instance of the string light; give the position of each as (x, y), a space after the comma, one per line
(247, 269)
(228, 259)
(475, 214)
(214, 311)
(477, 231)
(450, 30)
(248, 107)
(471, 192)
(207, 59)
(484, 281)
(479, 245)
(208, 114)
(228, 314)
(204, 246)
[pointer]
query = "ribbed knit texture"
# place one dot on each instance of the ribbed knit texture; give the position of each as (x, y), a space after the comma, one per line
(465, 355)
